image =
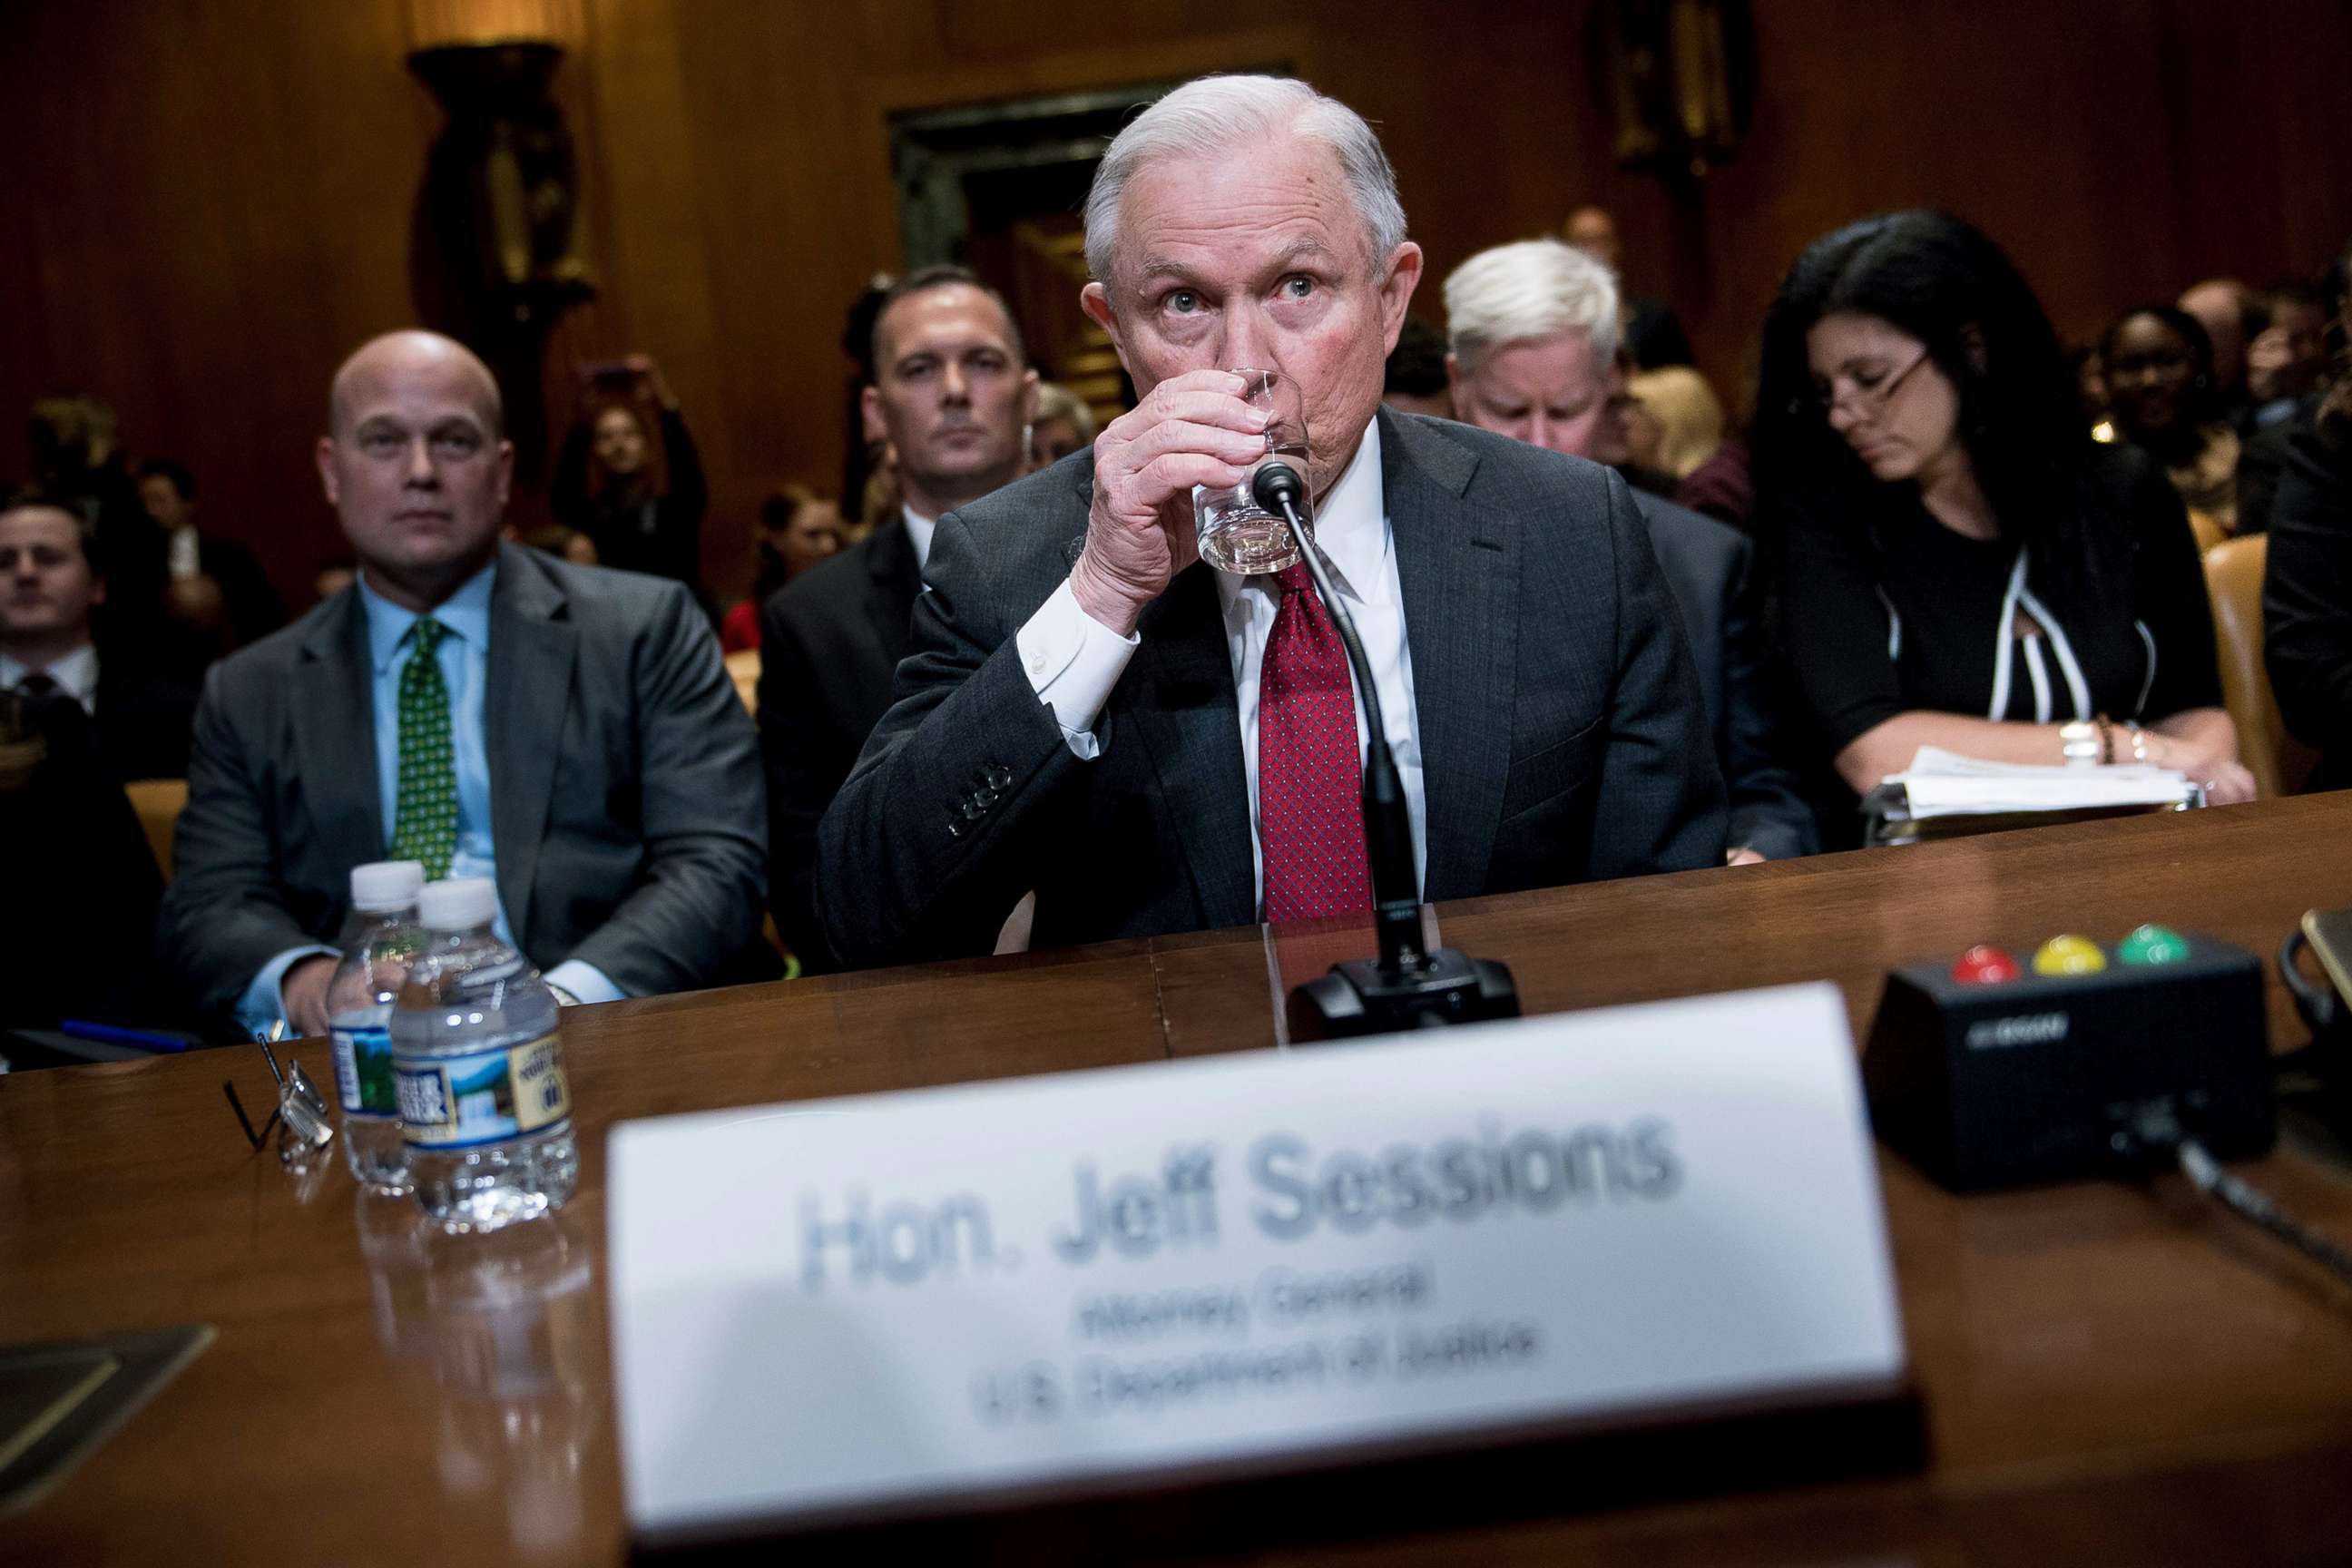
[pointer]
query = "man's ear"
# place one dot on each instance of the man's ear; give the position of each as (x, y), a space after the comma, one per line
(1454, 384)
(1095, 300)
(506, 472)
(869, 410)
(1029, 383)
(326, 457)
(1396, 293)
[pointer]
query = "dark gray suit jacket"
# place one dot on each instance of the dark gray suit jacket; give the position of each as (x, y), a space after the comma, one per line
(1709, 566)
(1562, 733)
(625, 787)
(830, 643)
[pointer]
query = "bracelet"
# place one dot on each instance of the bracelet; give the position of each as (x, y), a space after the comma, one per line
(2107, 741)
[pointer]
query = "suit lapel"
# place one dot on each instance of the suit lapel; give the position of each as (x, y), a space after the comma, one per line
(894, 578)
(532, 655)
(1459, 569)
(334, 712)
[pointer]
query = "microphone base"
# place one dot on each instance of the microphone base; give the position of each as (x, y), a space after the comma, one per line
(1359, 998)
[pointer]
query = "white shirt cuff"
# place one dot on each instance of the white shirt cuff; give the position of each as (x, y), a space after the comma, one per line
(264, 1002)
(1073, 660)
(585, 980)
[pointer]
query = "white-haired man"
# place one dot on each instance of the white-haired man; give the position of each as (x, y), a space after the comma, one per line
(1531, 354)
(1152, 745)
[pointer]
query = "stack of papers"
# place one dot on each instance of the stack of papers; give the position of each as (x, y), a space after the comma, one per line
(1940, 784)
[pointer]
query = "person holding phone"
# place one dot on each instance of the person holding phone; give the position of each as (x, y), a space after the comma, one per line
(628, 476)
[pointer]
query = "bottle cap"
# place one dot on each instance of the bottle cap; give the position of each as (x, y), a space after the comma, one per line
(385, 885)
(460, 904)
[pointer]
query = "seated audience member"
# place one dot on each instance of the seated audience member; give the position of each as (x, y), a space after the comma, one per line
(250, 609)
(333, 579)
(1531, 327)
(77, 463)
(1964, 567)
(2232, 316)
(2266, 455)
(1089, 712)
(1414, 380)
(2287, 361)
(633, 486)
(488, 709)
(2307, 585)
(953, 391)
(1064, 425)
(1685, 413)
(2159, 370)
(798, 530)
(1653, 334)
(2090, 375)
(138, 722)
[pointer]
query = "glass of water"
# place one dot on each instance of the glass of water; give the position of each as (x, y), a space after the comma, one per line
(1236, 534)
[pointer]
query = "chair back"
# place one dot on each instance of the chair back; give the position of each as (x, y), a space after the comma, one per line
(743, 667)
(2233, 580)
(158, 803)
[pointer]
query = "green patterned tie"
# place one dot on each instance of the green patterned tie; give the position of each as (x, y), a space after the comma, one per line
(424, 823)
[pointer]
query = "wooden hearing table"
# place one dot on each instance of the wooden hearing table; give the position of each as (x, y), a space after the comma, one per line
(2109, 1374)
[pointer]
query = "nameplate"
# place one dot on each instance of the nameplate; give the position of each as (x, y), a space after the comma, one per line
(926, 1301)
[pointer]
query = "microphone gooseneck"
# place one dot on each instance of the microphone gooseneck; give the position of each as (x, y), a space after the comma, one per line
(1388, 821)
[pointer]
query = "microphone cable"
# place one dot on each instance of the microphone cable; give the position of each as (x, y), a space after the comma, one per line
(2154, 1131)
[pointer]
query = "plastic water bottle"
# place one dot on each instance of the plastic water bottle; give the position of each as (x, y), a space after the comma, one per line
(484, 1105)
(379, 940)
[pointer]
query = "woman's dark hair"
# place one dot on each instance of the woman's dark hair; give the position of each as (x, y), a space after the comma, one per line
(2203, 404)
(1942, 281)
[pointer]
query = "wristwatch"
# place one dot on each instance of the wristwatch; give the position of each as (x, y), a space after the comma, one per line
(2080, 741)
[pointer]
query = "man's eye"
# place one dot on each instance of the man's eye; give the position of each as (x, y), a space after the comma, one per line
(458, 442)
(381, 443)
(1183, 301)
(1298, 288)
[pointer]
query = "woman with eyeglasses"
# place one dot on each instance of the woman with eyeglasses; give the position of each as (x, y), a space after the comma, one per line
(1961, 565)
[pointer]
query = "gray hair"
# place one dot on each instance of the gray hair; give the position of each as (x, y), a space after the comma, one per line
(1214, 114)
(1056, 401)
(1534, 289)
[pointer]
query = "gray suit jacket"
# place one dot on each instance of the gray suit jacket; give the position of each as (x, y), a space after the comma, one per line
(625, 787)
(1563, 731)
(1709, 566)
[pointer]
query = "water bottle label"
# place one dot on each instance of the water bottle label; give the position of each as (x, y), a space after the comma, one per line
(363, 1073)
(484, 1097)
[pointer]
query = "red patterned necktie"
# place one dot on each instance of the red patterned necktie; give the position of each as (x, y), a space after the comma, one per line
(1310, 779)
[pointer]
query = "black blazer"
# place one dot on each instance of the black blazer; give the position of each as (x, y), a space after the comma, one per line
(2307, 596)
(830, 642)
(625, 787)
(1710, 567)
(1562, 731)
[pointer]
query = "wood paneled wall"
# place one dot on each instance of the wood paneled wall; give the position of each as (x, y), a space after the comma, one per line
(206, 205)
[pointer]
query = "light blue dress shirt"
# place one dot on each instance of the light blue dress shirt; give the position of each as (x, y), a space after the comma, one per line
(464, 659)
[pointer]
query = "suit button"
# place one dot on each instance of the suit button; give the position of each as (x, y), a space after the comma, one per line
(956, 829)
(998, 776)
(973, 811)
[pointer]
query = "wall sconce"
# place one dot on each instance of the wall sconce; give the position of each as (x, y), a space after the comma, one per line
(501, 199)
(1679, 76)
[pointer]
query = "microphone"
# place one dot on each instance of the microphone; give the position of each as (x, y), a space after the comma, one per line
(1406, 988)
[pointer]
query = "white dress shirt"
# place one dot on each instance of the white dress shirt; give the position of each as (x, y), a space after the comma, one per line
(919, 534)
(76, 675)
(1073, 660)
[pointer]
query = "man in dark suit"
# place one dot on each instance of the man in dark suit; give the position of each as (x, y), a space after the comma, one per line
(216, 576)
(953, 393)
(1533, 356)
(1152, 745)
(567, 730)
(137, 722)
